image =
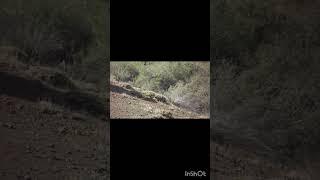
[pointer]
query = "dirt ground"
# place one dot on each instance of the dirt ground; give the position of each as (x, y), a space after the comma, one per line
(241, 163)
(125, 104)
(40, 139)
(40, 144)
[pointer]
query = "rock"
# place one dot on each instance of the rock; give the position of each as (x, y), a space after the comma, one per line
(161, 98)
(157, 116)
(128, 86)
(167, 114)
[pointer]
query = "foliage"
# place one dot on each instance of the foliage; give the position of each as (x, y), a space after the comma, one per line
(266, 74)
(53, 32)
(185, 83)
(123, 71)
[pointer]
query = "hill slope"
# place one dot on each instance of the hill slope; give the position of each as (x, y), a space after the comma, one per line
(46, 131)
(230, 162)
(130, 102)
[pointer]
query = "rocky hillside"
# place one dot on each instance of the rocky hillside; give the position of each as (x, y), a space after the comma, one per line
(50, 127)
(130, 102)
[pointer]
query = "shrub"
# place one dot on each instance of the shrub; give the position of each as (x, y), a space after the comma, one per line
(269, 88)
(71, 35)
(124, 71)
(186, 82)
(48, 32)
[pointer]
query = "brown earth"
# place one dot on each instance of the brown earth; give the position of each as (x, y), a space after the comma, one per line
(238, 157)
(46, 132)
(243, 163)
(126, 103)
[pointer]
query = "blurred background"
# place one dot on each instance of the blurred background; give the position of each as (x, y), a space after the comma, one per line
(265, 81)
(53, 73)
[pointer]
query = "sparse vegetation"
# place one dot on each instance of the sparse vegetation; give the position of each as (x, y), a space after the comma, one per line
(127, 101)
(183, 83)
(69, 35)
(53, 63)
(266, 74)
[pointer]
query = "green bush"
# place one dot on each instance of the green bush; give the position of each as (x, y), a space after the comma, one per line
(124, 71)
(184, 83)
